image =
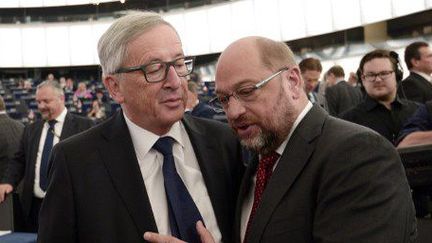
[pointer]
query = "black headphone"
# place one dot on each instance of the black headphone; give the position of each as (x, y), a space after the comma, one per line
(398, 71)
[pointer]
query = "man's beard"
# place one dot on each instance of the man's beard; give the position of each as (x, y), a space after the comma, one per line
(274, 131)
(262, 143)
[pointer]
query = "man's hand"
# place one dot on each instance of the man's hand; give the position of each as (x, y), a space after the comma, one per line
(4, 190)
(158, 238)
(204, 234)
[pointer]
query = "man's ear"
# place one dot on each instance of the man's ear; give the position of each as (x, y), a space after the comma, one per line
(414, 62)
(112, 84)
(294, 78)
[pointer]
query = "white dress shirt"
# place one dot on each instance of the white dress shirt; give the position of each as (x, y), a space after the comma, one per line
(248, 200)
(424, 75)
(38, 192)
(150, 162)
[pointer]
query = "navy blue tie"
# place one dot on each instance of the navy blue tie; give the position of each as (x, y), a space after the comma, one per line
(182, 211)
(43, 178)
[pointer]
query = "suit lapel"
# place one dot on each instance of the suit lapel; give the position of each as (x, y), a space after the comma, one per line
(294, 158)
(69, 127)
(119, 157)
(35, 135)
(212, 169)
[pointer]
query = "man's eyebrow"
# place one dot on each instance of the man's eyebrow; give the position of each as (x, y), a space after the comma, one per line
(237, 86)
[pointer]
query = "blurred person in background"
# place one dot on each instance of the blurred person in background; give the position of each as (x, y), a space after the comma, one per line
(381, 110)
(340, 95)
(97, 113)
(30, 162)
(10, 134)
(418, 85)
(194, 106)
(69, 87)
(311, 71)
(418, 129)
(103, 101)
(82, 92)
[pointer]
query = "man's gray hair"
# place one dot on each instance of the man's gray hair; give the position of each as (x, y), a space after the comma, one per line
(112, 46)
(55, 85)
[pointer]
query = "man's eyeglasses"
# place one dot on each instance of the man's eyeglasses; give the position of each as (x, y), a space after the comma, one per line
(157, 71)
(371, 77)
(244, 94)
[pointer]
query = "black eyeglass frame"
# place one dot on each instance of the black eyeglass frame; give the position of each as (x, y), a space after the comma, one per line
(168, 65)
(371, 77)
(218, 102)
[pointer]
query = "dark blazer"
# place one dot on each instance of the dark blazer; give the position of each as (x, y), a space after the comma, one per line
(335, 182)
(342, 97)
(97, 193)
(22, 166)
(415, 88)
(10, 134)
(203, 110)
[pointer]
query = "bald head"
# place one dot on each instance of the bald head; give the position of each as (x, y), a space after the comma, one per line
(270, 53)
(262, 90)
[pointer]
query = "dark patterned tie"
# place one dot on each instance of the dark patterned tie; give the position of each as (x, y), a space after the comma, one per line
(43, 172)
(264, 172)
(182, 211)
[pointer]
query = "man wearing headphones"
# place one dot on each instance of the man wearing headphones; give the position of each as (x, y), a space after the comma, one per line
(382, 110)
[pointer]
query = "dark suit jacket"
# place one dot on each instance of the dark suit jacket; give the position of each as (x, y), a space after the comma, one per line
(335, 182)
(24, 161)
(10, 134)
(342, 97)
(203, 110)
(97, 193)
(416, 88)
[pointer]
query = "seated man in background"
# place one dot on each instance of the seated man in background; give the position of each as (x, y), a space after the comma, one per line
(381, 110)
(194, 106)
(340, 96)
(418, 129)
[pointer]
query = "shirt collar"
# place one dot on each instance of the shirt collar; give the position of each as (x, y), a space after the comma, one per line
(296, 123)
(371, 103)
(424, 75)
(143, 140)
(61, 118)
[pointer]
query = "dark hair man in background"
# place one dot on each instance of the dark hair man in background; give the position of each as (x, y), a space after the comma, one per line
(30, 162)
(418, 85)
(10, 134)
(341, 96)
(381, 110)
(145, 168)
(311, 70)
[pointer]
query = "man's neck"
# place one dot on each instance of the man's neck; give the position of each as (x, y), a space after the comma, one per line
(421, 73)
(387, 102)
